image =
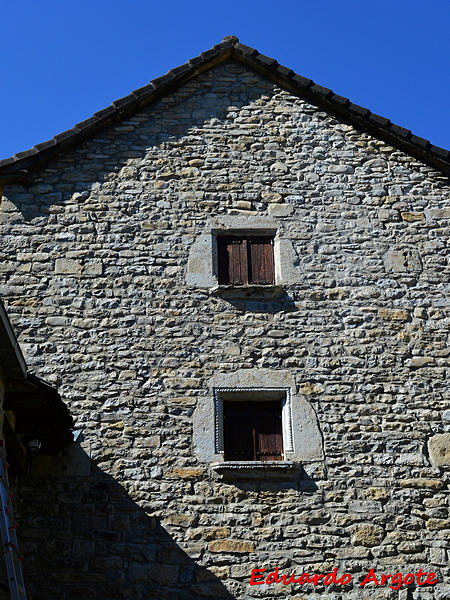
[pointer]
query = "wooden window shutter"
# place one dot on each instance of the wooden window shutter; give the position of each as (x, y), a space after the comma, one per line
(237, 256)
(261, 261)
(252, 430)
(233, 267)
(269, 431)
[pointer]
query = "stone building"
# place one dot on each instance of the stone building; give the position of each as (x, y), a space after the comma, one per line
(238, 282)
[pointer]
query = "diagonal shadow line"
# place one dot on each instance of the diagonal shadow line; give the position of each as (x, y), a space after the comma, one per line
(81, 172)
(85, 538)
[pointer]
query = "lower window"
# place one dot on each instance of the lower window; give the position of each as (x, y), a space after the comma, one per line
(253, 424)
(252, 430)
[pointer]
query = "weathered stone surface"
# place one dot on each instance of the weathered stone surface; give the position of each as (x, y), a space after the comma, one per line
(231, 546)
(421, 361)
(341, 169)
(243, 204)
(280, 210)
(380, 494)
(180, 520)
(367, 535)
(272, 197)
(420, 312)
(56, 321)
(185, 472)
(309, 388)
(438, 524)
(67, 266)
(93, 267)
(439, 449)
(431, 484)
(390, 314)
(213, 533)
(411, 217)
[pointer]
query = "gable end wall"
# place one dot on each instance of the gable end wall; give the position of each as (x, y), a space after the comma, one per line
(94, 278)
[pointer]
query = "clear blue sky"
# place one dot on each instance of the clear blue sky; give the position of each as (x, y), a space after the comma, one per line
(63, 60)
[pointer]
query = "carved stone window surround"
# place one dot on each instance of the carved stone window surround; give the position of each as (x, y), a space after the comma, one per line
(286, 412)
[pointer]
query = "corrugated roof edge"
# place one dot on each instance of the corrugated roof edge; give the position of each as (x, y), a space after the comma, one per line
(16, 168)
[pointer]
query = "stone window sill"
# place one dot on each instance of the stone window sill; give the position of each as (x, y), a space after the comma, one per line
(274, 469)
(246, 291)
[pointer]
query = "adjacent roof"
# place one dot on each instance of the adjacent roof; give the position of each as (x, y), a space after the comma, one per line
(16, 168)
(38, 408)
(11, 357)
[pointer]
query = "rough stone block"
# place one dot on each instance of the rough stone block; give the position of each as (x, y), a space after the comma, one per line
(231, 546)
(390, 314)
(411, 217)
(280, 210)
(439, 449)
(310, 387)
(244, 204)
(185, 472)
(180, 520)
(271, 197)
(402, 260)
(437, 524)
(421, 361)
(94, 267)
(56, 321)
(279, 167)
(367, 535)
(341, 169)
(430, 484)
(67, 266)
(214, 533)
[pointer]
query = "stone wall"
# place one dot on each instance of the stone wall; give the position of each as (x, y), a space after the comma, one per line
(93, 274)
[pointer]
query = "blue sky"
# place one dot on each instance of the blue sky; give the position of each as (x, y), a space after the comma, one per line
(63, 60)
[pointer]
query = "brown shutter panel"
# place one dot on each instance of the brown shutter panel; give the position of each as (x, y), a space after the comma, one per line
(237, 257)
(261, 261)
(269, 432)
(232, 258)
(270, 445)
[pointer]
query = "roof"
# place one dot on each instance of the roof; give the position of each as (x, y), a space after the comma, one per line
(11, 357)
(16, 168)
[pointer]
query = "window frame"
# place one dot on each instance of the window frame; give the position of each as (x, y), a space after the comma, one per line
(252, 429)
(256, 393)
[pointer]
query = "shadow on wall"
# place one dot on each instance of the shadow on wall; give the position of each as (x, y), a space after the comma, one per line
(282, 303)
(300, 481)
(187, 113)
(85, 538)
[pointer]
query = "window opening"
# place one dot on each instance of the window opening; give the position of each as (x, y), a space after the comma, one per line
(252, 430)
(245, 260)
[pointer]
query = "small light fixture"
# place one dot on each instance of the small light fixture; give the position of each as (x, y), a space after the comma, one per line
(34, 445)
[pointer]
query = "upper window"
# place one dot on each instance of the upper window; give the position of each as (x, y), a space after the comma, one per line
(252, 430)
(245, 260)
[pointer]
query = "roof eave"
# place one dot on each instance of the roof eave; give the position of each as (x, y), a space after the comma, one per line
(17, 168)
(11, 357)
(358, 116)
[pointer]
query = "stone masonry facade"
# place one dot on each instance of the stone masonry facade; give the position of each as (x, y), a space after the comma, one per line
(94, 276)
